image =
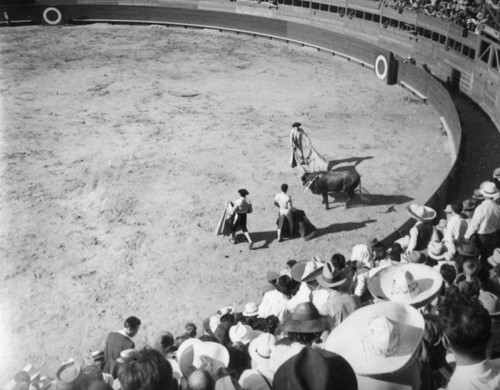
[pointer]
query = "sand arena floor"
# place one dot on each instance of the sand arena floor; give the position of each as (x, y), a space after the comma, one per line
(120, 146)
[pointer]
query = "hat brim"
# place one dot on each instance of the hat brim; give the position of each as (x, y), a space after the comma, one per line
(250, 314)
(437, 257)
(492, 261)
(430, 217)
(298, 270)
(346, 339)
(429, 282)
(322, 282)
(488, 195)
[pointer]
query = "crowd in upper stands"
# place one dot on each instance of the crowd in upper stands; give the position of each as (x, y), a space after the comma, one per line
(422, 312)
(465, 13)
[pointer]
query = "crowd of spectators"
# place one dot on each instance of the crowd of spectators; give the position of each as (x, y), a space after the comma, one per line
(420, 313)
(466, 13)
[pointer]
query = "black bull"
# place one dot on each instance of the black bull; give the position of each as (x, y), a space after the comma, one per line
(322, 182)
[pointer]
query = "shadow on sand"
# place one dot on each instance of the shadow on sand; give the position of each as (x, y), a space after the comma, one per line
(351, 160)
(261, 239)
(342, 227)
(339, 200)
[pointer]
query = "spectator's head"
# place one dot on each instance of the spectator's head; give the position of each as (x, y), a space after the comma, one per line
(200, 380)
(91, 374)
(132, 325)
(457, 206)
(260, 350)
(286, 285)
(251, 310)
(338, 261)
(241, 333)
(467, 249)
(165, 343)
(496, 174)
(272, 323)
(297, 124)
(314, 369)
(332, 277)
(362, 255)
(284, 187)
(466, 327)
(146, 369)
(243, 192)
(190, 329)
(449, 273)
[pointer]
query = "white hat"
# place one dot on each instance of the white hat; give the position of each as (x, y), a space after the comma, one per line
(494, 259)
(125, 354)
(260, 349)
(251, 309)
(421, 213)
(215, 351)
(241, 333)
(305, 271)
(381, 338)
(437, 250)
(414, 284)
(488, 189)
(490, 302)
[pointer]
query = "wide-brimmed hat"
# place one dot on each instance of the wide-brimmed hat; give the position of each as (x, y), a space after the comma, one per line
(305, 271)
(185, 354)
(69, 376)
(331, 277)
(315, 369)
(241, 333)
(414, 284)
(490, 302)
(125, 354)
(421, 213)
(296, 124)
(381, 338)
(251, 309)
(488, 189)
(437, 250)
(261, 348)
(305, 318)
(243, 192)
(496, 173)
(494, 259)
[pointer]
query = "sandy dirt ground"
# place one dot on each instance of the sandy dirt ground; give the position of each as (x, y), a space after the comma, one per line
(120, 146)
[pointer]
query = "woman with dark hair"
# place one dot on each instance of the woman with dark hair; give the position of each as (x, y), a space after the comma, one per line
(242, 207)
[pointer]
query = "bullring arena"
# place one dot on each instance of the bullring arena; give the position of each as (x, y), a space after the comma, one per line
(121, 145)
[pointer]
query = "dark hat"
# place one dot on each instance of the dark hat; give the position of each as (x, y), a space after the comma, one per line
(305, 318)
(222, 332)
(243, 192)
(296, 124)
(468, 249)
(314, 369)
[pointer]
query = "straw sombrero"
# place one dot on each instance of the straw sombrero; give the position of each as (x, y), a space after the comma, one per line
(331, 277)
(414, 284)
(306, 271)
(421, 213)
(490, 302)
(381, 338)
(488, 189)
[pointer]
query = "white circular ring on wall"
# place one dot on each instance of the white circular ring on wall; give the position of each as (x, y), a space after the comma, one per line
(382, 62)
(52, 16)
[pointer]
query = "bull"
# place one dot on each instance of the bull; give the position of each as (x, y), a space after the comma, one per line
(323, 182)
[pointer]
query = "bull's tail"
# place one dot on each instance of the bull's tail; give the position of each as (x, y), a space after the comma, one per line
(362, 198)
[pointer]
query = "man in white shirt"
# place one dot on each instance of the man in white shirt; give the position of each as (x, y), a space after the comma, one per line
(485, 222)
(455, 227)
(284, 202)
(467, 332)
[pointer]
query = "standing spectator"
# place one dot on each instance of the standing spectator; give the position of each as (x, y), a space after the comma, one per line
(455, 227)
(306, 273)
(275, 302)
(362, 256)
(485, 223)
(466, 333)
(422, 232)
(242, 207)
(146, 369)
(284, 202)
(119, 341)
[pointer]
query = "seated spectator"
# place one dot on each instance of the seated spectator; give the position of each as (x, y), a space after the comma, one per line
(422, 232)
(260, 376)
(468, 283)
(306, 273)
(190, 329)
(381, 342)
(165, 345)
(275, 302)
(466, 333)
(362, 256)
(146, 369)
(340, 303)
(119, 341)
(303, 327)
(314, 369)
